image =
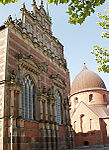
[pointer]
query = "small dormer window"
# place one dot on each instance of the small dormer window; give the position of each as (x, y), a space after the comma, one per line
(104, 98)
(90, 97)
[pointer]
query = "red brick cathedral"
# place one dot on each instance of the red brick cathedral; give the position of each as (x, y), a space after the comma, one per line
(34, 84)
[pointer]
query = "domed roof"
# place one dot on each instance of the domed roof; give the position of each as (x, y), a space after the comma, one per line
(87, 80)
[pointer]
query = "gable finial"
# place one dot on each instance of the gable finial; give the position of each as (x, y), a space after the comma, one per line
(42, 3)
(24, 5)
(47, 11)
(34, 7)
(34, 1)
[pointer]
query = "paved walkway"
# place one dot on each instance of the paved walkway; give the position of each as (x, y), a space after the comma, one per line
(104, 148)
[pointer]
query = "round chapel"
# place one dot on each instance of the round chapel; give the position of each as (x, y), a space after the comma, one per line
(89, 110)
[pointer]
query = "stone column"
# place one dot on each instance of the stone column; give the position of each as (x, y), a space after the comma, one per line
(41, 109)
(66, 114)
(23, 21)
(57, 137)
(54, 110)
(53, 137)
(51, 112)
(12, 101)
(21, 134)
(19, 104)
(46, 110)
(42, 136)
(48, 135)
(34, 34)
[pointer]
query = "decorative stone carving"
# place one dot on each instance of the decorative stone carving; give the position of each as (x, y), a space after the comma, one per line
(18, 74)
(49, 92)
(9, 18)
(44, 67)
(44, 90)
(18, 56)
(53, 76)
(12, 75)
(24, 6)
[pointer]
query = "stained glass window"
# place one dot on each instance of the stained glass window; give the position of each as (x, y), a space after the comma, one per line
(58, 107)
(27, 99)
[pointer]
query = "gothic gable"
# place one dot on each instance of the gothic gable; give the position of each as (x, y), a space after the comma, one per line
(30, 64)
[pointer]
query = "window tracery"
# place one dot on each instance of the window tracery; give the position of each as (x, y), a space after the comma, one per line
(27, 99)
(58, 107)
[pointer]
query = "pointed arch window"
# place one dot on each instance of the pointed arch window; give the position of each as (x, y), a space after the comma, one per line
(27, 99)
(90, 124)
(81, 121)
(58, 107)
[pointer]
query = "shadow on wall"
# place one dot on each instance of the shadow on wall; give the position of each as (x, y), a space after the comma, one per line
(92, 138)
(88, 139)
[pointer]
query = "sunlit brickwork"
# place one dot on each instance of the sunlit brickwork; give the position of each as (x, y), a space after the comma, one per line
(32, 71)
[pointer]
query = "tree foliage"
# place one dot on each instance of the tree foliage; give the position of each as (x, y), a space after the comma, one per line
(7, 1)
(102, 54)
(79, 9)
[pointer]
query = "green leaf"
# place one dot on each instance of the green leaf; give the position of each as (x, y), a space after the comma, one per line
(81, 8)
(7, 1)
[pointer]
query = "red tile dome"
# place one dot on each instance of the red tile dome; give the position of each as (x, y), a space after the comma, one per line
(87, 80)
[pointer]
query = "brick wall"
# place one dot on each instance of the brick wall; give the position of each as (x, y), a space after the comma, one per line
(3, 46)
(29, 51)
(28, 136)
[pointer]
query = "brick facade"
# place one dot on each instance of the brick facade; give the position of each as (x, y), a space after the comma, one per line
(89, 110)
(31, 57)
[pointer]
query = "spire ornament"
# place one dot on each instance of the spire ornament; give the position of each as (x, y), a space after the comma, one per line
(48, 17)
(85, 67)
(34, 2)
(42, 3)
(34, 7)
(24, 6)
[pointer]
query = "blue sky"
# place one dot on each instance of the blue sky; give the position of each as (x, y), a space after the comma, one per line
(78, 40)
